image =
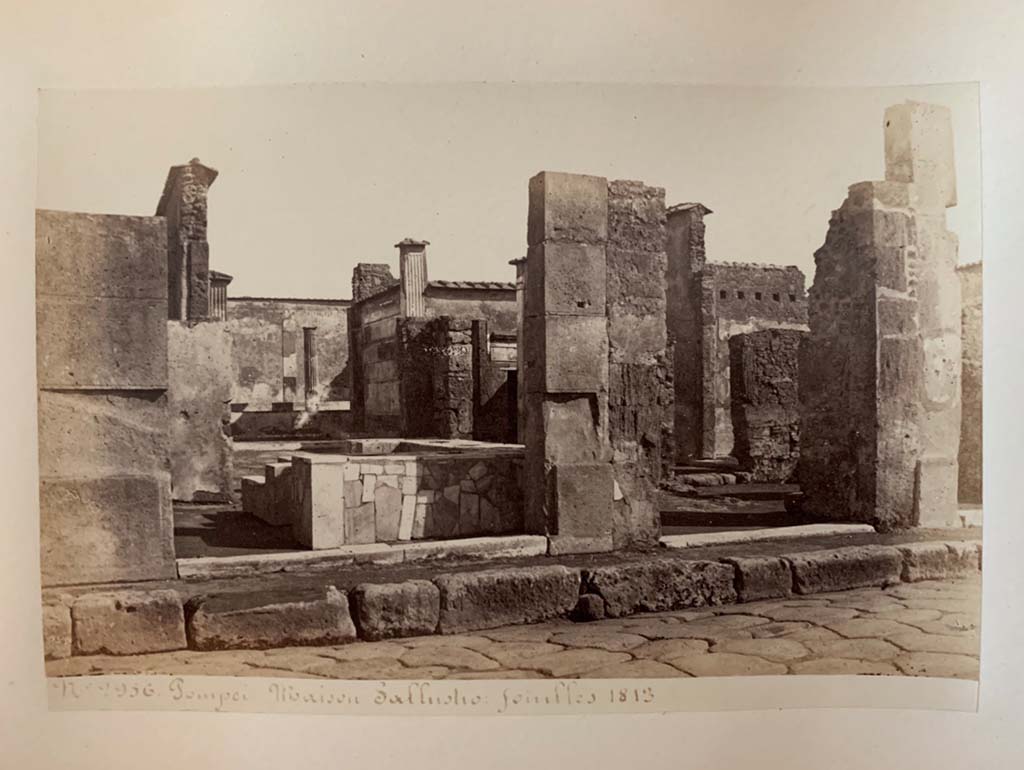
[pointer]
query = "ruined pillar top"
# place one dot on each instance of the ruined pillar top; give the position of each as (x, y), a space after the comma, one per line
(699, 209)
(919, 150)
(195, 169)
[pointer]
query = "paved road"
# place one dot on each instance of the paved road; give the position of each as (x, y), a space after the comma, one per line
(922, 629)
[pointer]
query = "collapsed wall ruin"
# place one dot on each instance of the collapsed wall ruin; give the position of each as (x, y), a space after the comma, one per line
(880, 373)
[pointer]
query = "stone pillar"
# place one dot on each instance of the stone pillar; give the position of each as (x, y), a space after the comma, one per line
(412, 263)
(183, 203)
(311, 369)
(369, 279)
(568, 476)
(919, 152)
(639, 370)
(101, 351)
(520, 266)
(686, 258)
(970, 385)
(879, 373)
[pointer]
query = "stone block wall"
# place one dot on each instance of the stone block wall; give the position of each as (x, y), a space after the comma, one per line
(970, 458)
(199, 407)
(105, 503)
(390, 498)
(373, 356)
(861, 368)
(765, 402)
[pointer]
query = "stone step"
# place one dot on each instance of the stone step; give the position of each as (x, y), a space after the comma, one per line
(751, 491)
(720, 464)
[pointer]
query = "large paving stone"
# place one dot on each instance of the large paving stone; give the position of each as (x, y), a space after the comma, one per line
(127, 623)
(388, 610)
(843, 666)
(843, 568)
(761, 577)
(864, 628)
(636, 669)
(654, 585)
(662, 649)
(270, 619)
(917, 641)
(499, 597)
(726, 664)
(937, 664)
(613, 641)
(570, 663)
(56, 631)
(449, 657)
(859, 649)
(781, 650)
(518, 654)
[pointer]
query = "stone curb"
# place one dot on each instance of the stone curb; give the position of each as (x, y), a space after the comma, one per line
(133, 622)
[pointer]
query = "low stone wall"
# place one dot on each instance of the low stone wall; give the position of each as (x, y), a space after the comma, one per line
(361, 499)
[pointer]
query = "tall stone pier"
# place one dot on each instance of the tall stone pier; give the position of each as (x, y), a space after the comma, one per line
(879, 372)
(594, 362)
(101, 349)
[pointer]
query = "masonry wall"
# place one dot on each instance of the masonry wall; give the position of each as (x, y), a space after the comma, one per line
(495, 384)
(765, 403)
(101, 326)
(639, 371)
(970, 458)
(739, 298)
(435, 365)
(373, 342)
(199, 410)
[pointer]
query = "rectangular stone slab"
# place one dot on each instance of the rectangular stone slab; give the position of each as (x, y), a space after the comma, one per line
(128, 623)
(389, 610)
(657, 585)
(840, 569)
(500, 597)
(266, 619)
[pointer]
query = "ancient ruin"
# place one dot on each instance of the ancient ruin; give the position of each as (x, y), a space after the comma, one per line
(623, 394)
(880, 373)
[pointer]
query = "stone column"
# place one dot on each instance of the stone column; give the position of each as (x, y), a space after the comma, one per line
(639, 370)
(412, 264)
(568, 476)
(183, 203)
(686, 257)
(311, 368)
(879, 373)
(520, 266)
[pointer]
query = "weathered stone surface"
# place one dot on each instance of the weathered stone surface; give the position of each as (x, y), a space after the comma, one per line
(857, 649)
(579, 493)
(843, 666)
(127, 623)
(270, 619)
(781, 650)
(765, 413)
(450, 657)
(570, 278)
(572, 663)
(969, 459)
(635, 669)
(320, 515)
(56, 631)
(929, 561)
(114, 528)
(590, 636)
(661, 584)
(387, 610)
(726, 664)
(492, 598)
(761, 577)
(199, 409)
(387, 512)
(567, 207)
(944, 665)
(663, 649)
(843, 568)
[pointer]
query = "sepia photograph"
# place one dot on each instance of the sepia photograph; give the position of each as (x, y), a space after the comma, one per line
(386, 383)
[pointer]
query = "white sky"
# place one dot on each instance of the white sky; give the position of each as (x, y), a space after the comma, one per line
(316, 178)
